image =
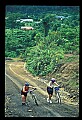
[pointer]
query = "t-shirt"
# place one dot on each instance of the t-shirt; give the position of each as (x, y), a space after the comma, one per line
(25, 88)
(50, 84)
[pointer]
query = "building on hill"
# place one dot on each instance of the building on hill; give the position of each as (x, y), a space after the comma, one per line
(24, 20)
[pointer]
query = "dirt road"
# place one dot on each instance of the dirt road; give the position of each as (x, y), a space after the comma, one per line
(15, 77)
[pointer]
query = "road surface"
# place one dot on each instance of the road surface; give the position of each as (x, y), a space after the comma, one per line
(15, 77)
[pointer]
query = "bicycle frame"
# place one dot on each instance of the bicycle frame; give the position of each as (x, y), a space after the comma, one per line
(33, 96)
(57, 94)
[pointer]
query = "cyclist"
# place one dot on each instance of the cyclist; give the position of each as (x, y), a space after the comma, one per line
(24, 92)
(50, 87)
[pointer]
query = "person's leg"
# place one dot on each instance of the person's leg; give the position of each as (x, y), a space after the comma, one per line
(50, 92)
(23, 99)
(50, 98)
(50, 95)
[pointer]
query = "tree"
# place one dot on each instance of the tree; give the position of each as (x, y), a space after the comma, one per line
(46, 23)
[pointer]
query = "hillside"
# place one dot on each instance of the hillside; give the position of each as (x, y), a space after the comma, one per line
(67, 75)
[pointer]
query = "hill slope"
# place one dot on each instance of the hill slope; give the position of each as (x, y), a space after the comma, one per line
(67, 75)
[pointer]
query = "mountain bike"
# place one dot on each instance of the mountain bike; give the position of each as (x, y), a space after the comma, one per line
(33, 96)
(58, 98)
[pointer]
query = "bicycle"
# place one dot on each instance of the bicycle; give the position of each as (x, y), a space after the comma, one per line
(33, 96)
(58, 98)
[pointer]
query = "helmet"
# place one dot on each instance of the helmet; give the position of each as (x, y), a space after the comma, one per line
(53, 80)
(26, 84)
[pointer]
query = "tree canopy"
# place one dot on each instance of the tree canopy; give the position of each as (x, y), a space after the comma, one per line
(56, 32)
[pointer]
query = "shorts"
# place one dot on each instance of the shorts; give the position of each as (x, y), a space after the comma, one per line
(50, 90)
(23, 93)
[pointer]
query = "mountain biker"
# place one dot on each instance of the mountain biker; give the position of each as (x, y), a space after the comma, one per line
(50, 87)
(24, 92)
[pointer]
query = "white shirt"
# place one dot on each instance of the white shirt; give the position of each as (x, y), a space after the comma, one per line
(50, 84)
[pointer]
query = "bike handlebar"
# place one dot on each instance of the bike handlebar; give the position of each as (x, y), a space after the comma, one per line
(57, 88)
(32, 90)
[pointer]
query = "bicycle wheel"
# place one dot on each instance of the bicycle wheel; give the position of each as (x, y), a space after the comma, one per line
(35, 100)
(59, 98)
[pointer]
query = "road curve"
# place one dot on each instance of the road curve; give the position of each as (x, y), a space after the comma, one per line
(43, 110)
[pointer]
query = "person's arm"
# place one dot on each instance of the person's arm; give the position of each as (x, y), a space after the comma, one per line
(56, 83)
(31, 87)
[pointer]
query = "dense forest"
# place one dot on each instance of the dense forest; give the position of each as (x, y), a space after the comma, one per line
(56, 33)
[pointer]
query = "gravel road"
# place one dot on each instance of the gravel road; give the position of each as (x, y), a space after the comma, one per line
(13, 107)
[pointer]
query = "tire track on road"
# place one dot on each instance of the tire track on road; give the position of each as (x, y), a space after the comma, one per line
(14, 81)
(31, 82)
(20, 86)
(39, 90)
(52, 109)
